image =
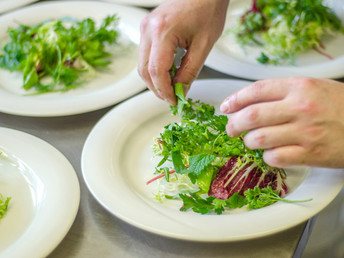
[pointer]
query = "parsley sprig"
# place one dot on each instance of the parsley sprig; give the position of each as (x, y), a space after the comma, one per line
(253, 199)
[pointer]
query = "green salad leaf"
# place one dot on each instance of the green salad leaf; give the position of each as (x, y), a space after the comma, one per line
(3, 205)
(59, 55)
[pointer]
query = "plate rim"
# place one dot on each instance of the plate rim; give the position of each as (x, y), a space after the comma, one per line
(14, 4)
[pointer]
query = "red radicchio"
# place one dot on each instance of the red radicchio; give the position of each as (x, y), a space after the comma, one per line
(237, 175)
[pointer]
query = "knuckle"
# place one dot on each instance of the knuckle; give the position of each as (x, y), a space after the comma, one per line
(153, 69)
(307, 106)
(191, 71)
(230, 128)
(252, 114)
(257, 88)
(153, 23)
(144, 23)
(259, 138)
(304, 84)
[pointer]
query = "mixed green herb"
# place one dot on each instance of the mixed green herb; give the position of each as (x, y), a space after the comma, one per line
(3, 205)
(58, 55)
(197, 147)
(286, 28)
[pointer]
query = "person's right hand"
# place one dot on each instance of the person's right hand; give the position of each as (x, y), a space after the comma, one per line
(193, 25)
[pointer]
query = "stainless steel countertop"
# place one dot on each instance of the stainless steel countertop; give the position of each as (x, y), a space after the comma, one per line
(97, 233)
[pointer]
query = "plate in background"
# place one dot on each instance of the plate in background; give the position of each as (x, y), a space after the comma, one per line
(44, 191)
(107, 88)
(228, 57)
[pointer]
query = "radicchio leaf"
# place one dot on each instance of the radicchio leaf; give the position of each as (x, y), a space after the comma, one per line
(239, 174)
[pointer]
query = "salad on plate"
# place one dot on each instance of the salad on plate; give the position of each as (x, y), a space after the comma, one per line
(59, 54)
(284, 29)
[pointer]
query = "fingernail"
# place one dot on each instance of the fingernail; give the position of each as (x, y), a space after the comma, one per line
(225, 106)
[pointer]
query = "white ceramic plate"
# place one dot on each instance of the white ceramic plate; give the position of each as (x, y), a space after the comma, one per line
(45, 195)
(117, 162)
(107, 88)
(228, 57)
(7, 5)
(142, 3)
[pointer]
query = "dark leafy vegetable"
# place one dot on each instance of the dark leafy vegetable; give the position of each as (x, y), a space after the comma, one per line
(63, 52)
(286, 28)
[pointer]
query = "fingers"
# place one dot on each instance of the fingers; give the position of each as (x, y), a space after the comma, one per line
(257, 116)
(143, 59)
(272, 136)
(260, 91)
(159, 65)
(287, 156)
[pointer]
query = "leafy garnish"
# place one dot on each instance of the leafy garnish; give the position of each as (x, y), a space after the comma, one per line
(254, 199)
(258, 198)
(4, 205)
(58, 55)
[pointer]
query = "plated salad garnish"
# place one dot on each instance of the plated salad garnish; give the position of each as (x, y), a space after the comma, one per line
(283, 29)
(59, 55)
(208, 170)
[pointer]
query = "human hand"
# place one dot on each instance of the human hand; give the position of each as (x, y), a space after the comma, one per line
(193, 25)
(298, 121)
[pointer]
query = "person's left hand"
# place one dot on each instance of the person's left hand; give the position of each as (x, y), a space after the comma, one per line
(298, 121)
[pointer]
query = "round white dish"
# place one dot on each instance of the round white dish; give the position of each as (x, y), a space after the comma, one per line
(107, 88)
(44, 193)
(117, 162)
(228, 57)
